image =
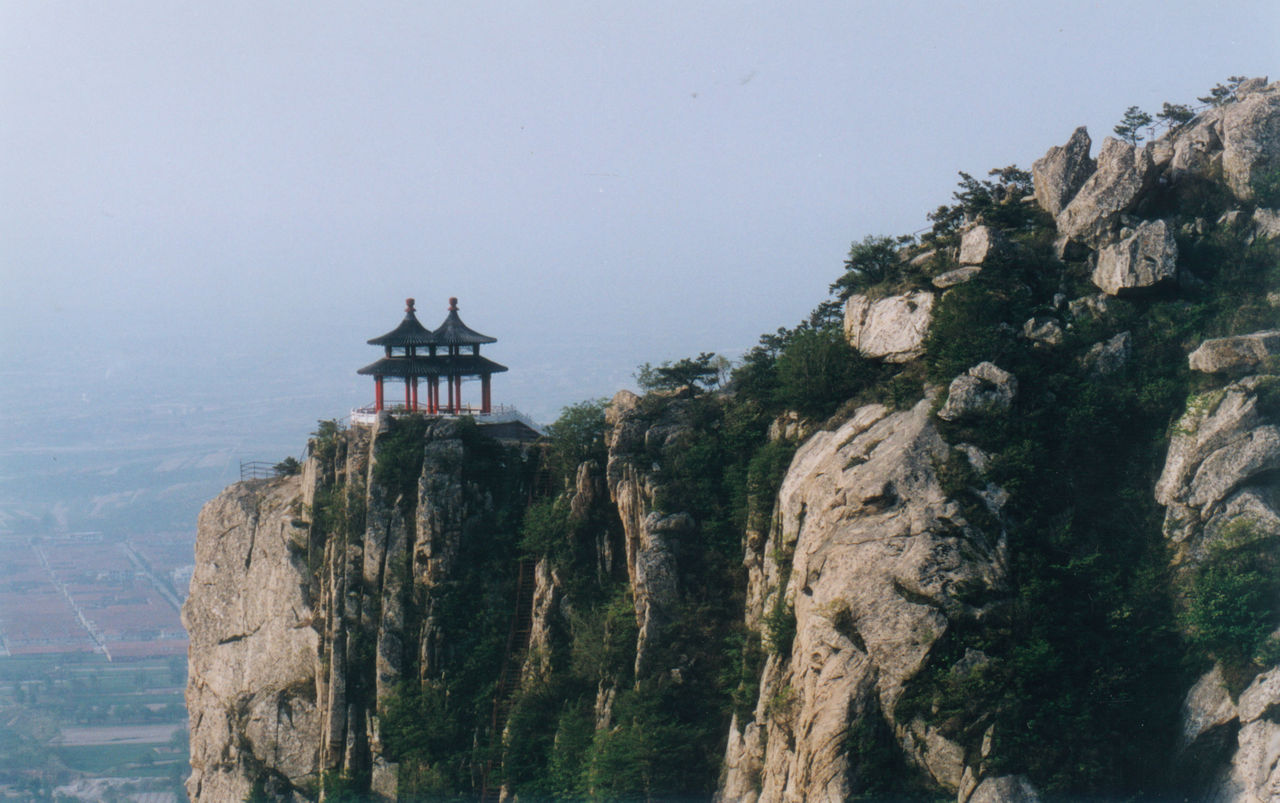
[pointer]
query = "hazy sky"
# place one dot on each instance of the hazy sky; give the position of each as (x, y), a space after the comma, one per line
(199, 199)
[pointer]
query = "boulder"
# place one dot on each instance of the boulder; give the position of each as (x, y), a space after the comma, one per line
(984, 389)
(1005, 789)
(1044, 331)
(1089, 307)
(1145, 259)
(1231, 219)
(981, 244)
(1111, 356)
(892, 328)
(1242, 354)
(1251, 141)
(1197, 148)
(1124, 173)
(958, 276)
(1060, 173)
(1266, 224)
(922, 258)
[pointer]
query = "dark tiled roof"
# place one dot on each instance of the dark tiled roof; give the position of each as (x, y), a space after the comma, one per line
(401, 366)
(453, 332)
(409, 333)
(439, 365)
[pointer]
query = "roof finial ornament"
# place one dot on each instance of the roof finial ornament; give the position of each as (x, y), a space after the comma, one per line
(453, 303)
(408, 305)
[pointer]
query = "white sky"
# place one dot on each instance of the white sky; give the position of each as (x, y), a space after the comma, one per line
(222, 194)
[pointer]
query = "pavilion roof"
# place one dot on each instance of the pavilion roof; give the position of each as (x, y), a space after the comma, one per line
(439, 365)
(453, 332)
(409, 333)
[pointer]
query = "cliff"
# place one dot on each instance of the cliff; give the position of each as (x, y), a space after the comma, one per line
(999, 522)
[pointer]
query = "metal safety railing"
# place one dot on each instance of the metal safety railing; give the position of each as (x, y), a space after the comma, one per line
(257, 470)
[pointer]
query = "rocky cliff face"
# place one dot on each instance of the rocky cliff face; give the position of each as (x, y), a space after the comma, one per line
(875, 562)
(254, 667)
(315, 598)
(1220, 488)
(966, 570)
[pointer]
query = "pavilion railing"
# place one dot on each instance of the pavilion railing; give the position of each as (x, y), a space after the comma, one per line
(498, 412)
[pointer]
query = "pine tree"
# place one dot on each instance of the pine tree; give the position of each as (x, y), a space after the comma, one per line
(1130, 126)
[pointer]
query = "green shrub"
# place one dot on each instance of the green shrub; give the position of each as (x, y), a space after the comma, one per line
(576, 437)
(780, 627)
(1231, 602)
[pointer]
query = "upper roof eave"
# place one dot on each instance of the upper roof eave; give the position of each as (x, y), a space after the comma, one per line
(453, 332)
(410, 332)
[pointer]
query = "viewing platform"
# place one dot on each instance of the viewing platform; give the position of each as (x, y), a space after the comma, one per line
(498, 414)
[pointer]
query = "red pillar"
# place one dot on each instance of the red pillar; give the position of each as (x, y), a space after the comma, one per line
(485, 406)
(457, 396)
(415, 394)
(449, 409)
(377, 393)
(408, 388)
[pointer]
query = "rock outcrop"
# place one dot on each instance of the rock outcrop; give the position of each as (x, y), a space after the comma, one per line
(868, 552)
(634, 480)
(1219, 464)
(1197, 150)
(1124, 174)
(1044, 330)
(1251, 141)
(982, 244)
(252, 695)
(892, 329)
(1110, 356)
(1060, 173)
(1221, 471)
(983, 390)
(1144, 259)
(1266, 224)
(1242, 354)
(954, 277)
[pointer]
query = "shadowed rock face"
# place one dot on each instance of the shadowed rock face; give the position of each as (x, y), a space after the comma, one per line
(876, 551)
(1222, 469)
(634, 481)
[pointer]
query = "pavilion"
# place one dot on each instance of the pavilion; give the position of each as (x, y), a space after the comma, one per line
(414, 353)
